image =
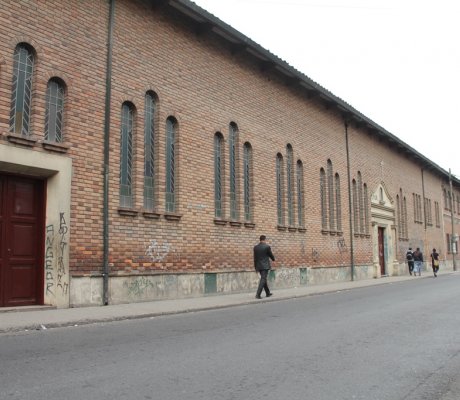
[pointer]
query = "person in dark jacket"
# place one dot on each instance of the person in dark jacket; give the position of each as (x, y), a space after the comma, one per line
(262, 255)
(418, 261)
(410, 260)
(435, 262)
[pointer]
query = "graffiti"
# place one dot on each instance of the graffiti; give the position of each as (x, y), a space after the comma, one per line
(64, 286)
(315, 255)
(157, 252)
(342, 245)
(49, 258)
(138, 286)
(287, 277)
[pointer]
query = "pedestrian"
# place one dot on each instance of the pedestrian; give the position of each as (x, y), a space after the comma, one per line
(418, 261)
(262, 255)
(410, 260)
(435, 262)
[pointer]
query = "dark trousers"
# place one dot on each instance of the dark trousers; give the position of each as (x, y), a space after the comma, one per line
(411, 266)
(263, 282)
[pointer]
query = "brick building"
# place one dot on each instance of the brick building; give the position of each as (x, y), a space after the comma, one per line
(145, 145)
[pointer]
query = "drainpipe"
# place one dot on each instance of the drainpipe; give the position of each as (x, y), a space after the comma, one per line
(105, 208)
(350, 205)
(453, 236)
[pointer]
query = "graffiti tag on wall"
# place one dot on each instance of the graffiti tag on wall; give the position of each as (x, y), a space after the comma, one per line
(156, 251)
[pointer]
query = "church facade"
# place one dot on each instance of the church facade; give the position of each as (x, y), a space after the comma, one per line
(145, 145)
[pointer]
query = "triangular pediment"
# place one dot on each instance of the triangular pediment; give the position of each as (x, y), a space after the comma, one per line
(381, 196)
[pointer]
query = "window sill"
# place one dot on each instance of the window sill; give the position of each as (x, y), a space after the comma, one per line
(281, 227)
(127, 212)
(324, 232)
(249, 225)
(151, 214)
(172, 216)
(28, 141)
(302, 230)
(235, 223)
(54, 146)
(218, 221)
(292, 229)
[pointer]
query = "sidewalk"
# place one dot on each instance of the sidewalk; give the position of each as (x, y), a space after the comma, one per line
(39, 317)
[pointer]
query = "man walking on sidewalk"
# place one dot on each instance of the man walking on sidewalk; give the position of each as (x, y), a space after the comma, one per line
(418, 261)
(262, 255)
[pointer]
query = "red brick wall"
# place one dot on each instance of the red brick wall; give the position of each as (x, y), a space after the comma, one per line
(201, 83)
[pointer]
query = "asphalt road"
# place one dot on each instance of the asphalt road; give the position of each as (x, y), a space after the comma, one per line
(396, 341)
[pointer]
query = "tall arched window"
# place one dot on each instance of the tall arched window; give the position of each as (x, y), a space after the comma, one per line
(366, 210)
(323, 198)
(149, 151)
(279, 189)
(398, 212)
(21, 97)
(330, 195)
(300, 195)
(233, 146)
(218, 168)
(360, 203)
(406, 229)
(355, 206)
(290, 185)
(54, 112)
(338, 203)
(171, 127)
(126, 155)
(247, 172)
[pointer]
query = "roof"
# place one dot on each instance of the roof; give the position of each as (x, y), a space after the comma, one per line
(207, 22)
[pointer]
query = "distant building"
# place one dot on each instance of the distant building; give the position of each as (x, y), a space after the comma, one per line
(145, 146)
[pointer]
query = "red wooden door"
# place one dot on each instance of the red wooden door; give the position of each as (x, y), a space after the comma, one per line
(21, 241)
(382, 251)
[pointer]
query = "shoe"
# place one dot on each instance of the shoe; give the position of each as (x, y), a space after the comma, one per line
(258, 297)
(268, 295)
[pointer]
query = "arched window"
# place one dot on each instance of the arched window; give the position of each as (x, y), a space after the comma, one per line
(406, 230)
(22, 90)
(330, 195)
(366, 210)
(171, 127)
(247, 172)
(126, 154)
(290, 185)
(149, 151)
(360, 203)
(399, 215)
(323, 198)
(279, 189)
(354, 187)
(300, 195)
(233, 146)
(54, 112)
(338, 203)
(218, 168)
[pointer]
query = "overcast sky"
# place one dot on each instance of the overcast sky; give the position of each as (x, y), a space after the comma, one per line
(395, 61)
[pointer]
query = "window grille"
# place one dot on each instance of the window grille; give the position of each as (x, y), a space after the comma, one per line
(232, 144)
(323, 198)
(247, 181)
(290, 186)
(22, 90)
(54, 111)
(330, 194)
(170, 165)
(149, 152)
(279, 189)
(300, 194)
(126, 155)
(218, 143)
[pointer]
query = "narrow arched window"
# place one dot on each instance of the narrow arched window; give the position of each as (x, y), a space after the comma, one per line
(247, 172)
(290, 185)
(366, 210)
(330, 195)
(355, 206)
(54, 112)
(218, 168)
(338, 203)
(232, 147)
(279, 189)
(360, 203)
(406, 229)
(21, 97)
(126, 154)
(300, 195)
(149, 151)
(398, 211)
(323, 198)
(171, 127)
